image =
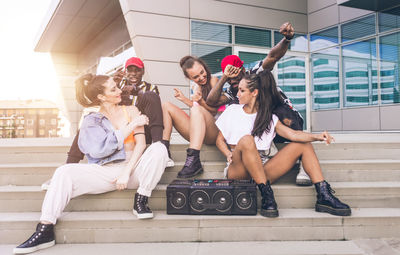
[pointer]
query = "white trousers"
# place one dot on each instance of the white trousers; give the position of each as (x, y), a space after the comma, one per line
(72, 180)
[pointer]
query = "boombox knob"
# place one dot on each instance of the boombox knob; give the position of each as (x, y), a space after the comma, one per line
(200, 200)
(179, 200)
(244, 200)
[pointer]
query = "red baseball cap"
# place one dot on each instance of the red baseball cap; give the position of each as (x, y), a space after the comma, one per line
(231, 60)
(134, 62)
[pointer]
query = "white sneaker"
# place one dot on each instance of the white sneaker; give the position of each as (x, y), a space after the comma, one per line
(302, 178)
(170, 163)
(46, 185)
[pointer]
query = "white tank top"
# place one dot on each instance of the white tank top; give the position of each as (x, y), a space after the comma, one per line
(234, 123)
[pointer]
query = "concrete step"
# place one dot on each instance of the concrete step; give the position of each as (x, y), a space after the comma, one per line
(205, 248)
(356, 194)
(123, 226)
(334, 170)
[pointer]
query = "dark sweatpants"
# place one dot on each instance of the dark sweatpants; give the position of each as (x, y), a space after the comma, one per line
(149, 104)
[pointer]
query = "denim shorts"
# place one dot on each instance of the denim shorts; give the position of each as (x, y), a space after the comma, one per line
(264, 155)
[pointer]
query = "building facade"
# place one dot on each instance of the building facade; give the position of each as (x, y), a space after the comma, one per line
(28, 118)
(341, 71)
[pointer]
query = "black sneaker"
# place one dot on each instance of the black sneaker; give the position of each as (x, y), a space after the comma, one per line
(141, 208)
(192, 165)
(43, 238)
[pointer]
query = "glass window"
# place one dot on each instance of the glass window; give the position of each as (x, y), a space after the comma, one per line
(252, 36)
(250, 59)
(42, 122)
(325, 79)
(389, 20)
(298, 43)
(360, 74)
(324, 39)
(292, 80)
(389, 68)
(358, 28)
(207, 31)
(211, 54)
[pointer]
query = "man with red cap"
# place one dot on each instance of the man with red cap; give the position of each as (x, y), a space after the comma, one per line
(137, 92)
(233, 71)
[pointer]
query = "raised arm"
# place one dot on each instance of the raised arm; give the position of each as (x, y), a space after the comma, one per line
(215, 97)
(278, 51)
(300, 136)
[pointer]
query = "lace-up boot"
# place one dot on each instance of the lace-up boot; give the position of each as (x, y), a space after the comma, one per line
(42, 238)
(192, 165)
(269, 207)
(141, 208)
(327, 202)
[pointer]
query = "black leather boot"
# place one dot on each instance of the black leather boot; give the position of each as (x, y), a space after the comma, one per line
(327, 202)
(141, 208)
(42, 238)
(192, 165)
(269, 207)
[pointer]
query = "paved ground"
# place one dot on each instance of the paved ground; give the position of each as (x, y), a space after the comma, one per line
(359, 247)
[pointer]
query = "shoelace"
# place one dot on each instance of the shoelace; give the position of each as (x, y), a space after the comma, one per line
(332, 191)
(189, 161)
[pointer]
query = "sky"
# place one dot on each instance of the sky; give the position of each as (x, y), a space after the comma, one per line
(25, 74)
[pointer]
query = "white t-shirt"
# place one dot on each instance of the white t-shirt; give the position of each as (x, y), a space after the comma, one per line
(234, 123)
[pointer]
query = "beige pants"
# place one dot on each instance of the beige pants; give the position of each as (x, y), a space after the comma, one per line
(72, 180)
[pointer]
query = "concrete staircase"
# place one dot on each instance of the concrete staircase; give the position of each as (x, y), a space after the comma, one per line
(364, 170)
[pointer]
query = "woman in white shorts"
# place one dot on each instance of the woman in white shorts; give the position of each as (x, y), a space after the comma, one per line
(250, 127)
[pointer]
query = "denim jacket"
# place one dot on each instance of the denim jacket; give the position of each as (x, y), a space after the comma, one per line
(99, 141)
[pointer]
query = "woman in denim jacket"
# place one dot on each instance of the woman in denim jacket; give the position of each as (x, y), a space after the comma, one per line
(113, 141)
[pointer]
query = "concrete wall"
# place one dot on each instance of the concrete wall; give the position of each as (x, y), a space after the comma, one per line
(326, 13)
(376, 118)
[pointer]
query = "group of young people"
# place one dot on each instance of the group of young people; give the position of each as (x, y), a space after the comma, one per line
(130, 115)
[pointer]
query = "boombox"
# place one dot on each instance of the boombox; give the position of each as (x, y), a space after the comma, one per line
(212, 197)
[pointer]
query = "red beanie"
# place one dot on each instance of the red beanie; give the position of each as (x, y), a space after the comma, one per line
(231, 60)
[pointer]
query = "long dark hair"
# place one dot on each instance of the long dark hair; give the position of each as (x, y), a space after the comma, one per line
(88, 87)
(267, 99)
(187, 62)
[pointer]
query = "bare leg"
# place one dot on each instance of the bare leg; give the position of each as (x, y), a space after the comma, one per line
(246, 161)
(284, 160)
(202, 127)
(175, 116)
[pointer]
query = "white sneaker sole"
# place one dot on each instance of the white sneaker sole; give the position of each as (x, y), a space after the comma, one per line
(32, 249)
(142, 216)
(170, 163)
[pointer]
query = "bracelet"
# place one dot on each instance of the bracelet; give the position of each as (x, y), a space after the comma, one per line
(140, 133)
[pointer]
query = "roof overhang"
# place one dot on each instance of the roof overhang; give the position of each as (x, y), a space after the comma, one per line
(371, 5)
(71, 24)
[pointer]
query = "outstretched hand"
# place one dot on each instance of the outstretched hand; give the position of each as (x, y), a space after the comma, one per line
(119, 75)
(287, 30)
(178, 94)
(326, 137)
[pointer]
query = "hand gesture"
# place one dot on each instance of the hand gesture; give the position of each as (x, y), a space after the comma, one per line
(119, 75)
(231, 71)
(121, 182)
(197, 95)
(141, 120)
(178, 94)
(325, 136)
(229, 157)
(287, 30)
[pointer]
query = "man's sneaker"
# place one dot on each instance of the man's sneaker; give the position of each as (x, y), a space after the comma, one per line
(42, 238)
(192, 165)
(302, 178)
(170, 163)
(46, 185)
(141, 208)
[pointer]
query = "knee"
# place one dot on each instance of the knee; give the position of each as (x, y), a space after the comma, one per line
(62, 172)
(167, 106)
(247, 142)
(196, 110)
